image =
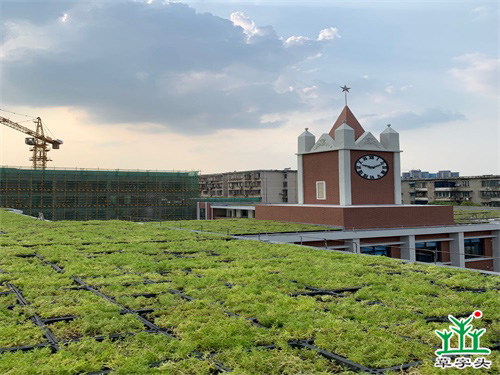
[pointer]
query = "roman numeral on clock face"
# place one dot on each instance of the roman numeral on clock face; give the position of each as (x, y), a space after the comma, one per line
(371, 167)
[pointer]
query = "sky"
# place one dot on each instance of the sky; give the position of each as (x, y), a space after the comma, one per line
(219, 86)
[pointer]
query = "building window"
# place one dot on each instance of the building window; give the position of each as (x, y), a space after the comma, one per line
(285, 184)
(444, 184)
(320, 190)
(490, 183)
(473, 247)
(375, 250)
(428, 252)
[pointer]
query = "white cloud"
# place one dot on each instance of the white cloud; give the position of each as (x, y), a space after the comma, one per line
(297, 40)
(482, 12)
(478, 73)
(328, 34)
(161, 63)
(410, 119)
(390, 89)
(240, 19)
(21, 38)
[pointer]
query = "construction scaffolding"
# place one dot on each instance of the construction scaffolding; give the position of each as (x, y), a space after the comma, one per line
(84, 194)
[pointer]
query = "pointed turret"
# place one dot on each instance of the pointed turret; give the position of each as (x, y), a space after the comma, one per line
(306, 141)
(347, 117)
(344, 136)
(390, 139)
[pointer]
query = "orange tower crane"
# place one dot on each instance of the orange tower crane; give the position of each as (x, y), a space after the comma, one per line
(37, 140)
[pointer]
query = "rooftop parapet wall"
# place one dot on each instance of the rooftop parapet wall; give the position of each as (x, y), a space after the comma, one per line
(359, 217)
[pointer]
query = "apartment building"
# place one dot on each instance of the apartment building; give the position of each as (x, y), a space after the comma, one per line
(417, 173)
(270, 186)
(484, 190)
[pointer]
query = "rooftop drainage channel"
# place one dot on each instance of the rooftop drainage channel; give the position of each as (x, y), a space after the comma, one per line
(308, 344)
(153, 328)
(51, 339)
(112, 337)
(144, 321)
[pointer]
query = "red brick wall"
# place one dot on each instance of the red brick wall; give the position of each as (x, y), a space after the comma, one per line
(208, 209)
(365, 217)
(475, 234)
(322, 166)
(485, 265)
(300, 214)
(372, 191)
(369, 241)
(488, 247)
(394, 217)
(445, 251)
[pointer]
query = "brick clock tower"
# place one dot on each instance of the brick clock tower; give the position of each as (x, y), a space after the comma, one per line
(351, 179)
(349, 166)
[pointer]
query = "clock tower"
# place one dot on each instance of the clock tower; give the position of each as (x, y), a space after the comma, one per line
(349, 166)
(352, 179)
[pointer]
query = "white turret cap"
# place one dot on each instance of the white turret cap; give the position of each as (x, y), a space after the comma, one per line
(306, 141)
(389, 138)
(344, 136)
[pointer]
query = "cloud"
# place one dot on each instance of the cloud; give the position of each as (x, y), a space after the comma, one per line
(390, 89)
(160, 63)
(478, 73)
(329, 34)
(411, 120)
(481, 13)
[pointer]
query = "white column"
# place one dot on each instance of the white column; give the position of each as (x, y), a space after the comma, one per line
(408, 251)
(354, 245)
(251, 214)
(345, 177)
(300, 180)
(495, 242)
(397, 178)
(197, 210)
(238, 213)
(457, 249)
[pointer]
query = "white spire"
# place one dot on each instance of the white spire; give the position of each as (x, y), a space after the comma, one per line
(306, 141)
(390, 139)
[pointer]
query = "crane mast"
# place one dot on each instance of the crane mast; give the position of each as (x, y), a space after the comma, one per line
(38, 141)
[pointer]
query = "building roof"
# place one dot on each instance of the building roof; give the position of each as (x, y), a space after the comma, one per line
(483, 177)
(250, 171)
(346, 116)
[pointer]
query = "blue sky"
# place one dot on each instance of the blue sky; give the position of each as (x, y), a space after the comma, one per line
(218, 86)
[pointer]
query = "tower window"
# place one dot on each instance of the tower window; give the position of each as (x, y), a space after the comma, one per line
(320, 190)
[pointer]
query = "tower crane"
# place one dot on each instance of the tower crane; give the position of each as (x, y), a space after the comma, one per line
(38, 140)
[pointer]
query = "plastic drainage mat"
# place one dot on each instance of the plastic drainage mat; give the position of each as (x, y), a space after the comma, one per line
(308, 291)
(150, 327)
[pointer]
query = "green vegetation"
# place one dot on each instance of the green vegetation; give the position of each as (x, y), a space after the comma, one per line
(452, 203)
(186, 302)
(467, 216)
(244, 226)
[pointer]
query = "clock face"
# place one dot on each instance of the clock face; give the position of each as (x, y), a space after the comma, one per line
(371, 167)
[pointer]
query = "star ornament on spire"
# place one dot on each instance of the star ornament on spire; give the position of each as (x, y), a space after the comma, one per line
(345, 90)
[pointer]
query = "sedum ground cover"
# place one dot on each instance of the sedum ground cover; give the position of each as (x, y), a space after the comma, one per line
(466, 216)
(243, 226)
(124, 298)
